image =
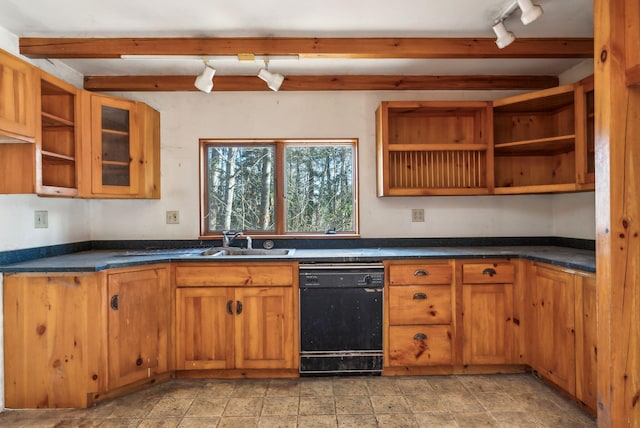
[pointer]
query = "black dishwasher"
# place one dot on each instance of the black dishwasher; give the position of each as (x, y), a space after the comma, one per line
(341, 319)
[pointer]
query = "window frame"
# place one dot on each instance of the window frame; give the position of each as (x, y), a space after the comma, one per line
(279, 184)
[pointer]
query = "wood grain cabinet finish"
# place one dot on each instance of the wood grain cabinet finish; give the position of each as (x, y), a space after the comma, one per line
(17, 99)
(236, 316)
(632, 42)
(123, 157)
(419, 314)
(139, 324)
(553, 325)
(586, 343)
(434, 148)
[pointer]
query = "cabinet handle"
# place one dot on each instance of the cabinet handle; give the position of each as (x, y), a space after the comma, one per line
(238, 307)
(489, 271)
(139, 362)
(419, 296)
(115, 302)
(421, 272)
(420, 336)
(229, 307)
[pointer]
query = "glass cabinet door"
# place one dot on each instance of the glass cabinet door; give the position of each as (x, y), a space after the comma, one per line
(115, 164)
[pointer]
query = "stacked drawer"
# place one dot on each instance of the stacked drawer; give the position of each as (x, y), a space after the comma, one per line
(419, 308)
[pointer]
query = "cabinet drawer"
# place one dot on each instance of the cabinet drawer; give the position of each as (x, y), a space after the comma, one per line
(420, 304)
(226, 274)
(488, 273)
(418, 274)
(420, 345)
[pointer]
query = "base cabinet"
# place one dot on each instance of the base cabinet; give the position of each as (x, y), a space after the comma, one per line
(69, 348)
(553, 326)
(586, 343)
(223, 324)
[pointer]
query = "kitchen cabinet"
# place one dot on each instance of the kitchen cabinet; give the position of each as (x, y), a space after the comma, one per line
(535, 142)
(139, 322)
(70, 348)
(434, 148)
(419, 314)
(632, 42)
(17, 99)
(487, 312)
(553, 325)
(236, 316)
(123, 159)
(586, 343)
(585, 134)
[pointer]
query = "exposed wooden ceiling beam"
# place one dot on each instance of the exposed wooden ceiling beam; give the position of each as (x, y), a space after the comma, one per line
(321, 83)
(435, 48)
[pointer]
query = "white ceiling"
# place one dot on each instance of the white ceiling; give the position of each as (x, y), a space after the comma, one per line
(299, 18)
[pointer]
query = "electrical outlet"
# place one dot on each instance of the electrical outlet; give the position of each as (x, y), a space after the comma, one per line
(417, 215)
(173, 217)
(41, 219)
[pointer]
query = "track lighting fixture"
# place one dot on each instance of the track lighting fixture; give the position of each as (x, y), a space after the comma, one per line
(273, 80)
(530, 11)
(204, 81)
(503, 37)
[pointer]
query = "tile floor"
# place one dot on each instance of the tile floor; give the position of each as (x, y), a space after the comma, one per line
(518, 400)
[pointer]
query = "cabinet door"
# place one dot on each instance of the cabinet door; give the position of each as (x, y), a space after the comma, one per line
(17, 98)
(264, 328)
(138, 324)
(553, 353)
(420, 345)
(488, 323)
(586, 346)
(204, 328)
(115, 150)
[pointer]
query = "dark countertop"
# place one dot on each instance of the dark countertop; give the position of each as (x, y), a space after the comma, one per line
(97, 260)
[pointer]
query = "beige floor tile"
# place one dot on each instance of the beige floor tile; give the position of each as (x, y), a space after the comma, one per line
(283, 388)
(436, 420)
(350, 386)
(280, 406)
(481, 383)
(353, 405)
(207, 406)
(316, 387)
(251, 388)
(289, 421)
(207, 422)
(317, 406)
(237, 407)
(170, 407)
(397, 421)
(382, 386)
(317, 421)
(446, 384)
(237, 422)
(357, 421)
(461, 402)
(415, 386)
(514, 419)
(474, 420)
(498, 401)
(218, 388)
(159, 423)
(425, 403)
(183, 388)
(389, 404)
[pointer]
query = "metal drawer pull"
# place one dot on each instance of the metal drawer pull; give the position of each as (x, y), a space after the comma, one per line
(420, 336)
(229, 307)
(238, 307)
(115, 301)
(419, 296)
(421, 272)
(489, 271)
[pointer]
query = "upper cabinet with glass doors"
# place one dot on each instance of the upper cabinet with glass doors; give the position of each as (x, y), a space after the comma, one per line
(124, 158)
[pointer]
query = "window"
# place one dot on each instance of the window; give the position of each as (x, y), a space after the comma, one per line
(278, 187)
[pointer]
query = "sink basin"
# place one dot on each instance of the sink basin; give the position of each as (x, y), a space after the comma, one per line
(234, 251)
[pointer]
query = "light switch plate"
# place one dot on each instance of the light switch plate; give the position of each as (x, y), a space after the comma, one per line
(173, 217)
(41, 219)
(417, 215)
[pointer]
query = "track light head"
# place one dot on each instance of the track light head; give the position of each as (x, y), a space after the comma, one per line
(204, 82)
(530, 11)
(273, 80)
(503, 37)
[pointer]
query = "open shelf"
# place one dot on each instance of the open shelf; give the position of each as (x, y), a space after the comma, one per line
(52, 120)
(538, 146)
(437, 147)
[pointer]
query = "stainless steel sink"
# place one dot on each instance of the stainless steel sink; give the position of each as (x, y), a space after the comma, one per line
(234, 251)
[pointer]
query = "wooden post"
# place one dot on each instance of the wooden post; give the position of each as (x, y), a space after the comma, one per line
(617, 139)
